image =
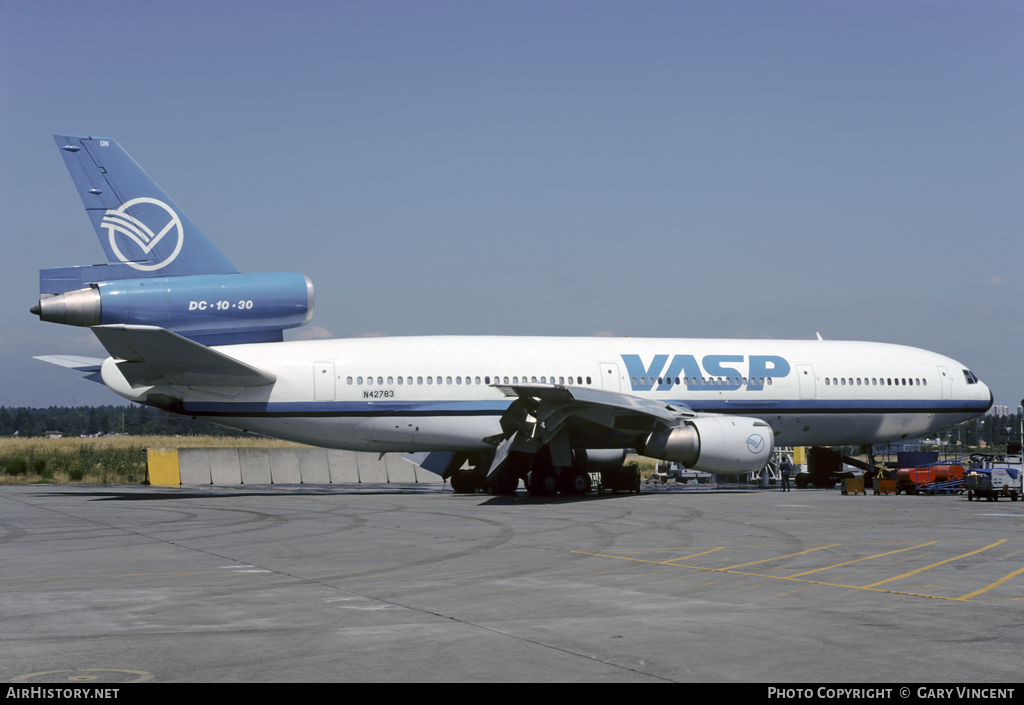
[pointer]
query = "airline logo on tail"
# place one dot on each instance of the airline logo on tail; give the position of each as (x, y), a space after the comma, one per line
(144, 238)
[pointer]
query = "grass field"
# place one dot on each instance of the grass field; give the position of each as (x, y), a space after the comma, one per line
(104, 460)
(122, 459)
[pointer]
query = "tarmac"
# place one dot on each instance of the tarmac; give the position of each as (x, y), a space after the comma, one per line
(397, 582)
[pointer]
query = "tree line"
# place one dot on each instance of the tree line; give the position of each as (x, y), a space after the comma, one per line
(133, 420)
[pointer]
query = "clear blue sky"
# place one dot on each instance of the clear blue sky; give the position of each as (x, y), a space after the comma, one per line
(676, 169)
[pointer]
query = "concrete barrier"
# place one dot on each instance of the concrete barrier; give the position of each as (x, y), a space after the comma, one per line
(284, 466)
(279, 466)
(371, 468)
(342, 466)
(163, 467)
(255, 466)
(225, 468)
(194, 466)
(313, 467)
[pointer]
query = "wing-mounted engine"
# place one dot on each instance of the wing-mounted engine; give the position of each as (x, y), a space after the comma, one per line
(726, 445)
(210, 308)
(546, 421)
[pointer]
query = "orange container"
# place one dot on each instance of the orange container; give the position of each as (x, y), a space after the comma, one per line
(915, 476)
(944, 473)
(930, 474)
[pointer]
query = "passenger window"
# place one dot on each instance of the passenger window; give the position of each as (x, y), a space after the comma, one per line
(391, 380)
(419, 380)
(359, 380)
(350, 380)
(400, 380)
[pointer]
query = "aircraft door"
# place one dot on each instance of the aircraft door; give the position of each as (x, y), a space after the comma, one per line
(805, 375)
(610, 377)
(946, 382)
(323, 381)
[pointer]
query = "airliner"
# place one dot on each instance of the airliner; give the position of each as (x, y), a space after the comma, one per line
(188, 333)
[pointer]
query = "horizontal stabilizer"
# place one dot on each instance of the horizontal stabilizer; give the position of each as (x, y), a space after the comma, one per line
(149, 355)
(89, 365)
(74, 362)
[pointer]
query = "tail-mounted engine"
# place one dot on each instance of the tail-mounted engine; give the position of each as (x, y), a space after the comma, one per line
(209, 308)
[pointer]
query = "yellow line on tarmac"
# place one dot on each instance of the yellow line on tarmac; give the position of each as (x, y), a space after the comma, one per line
(800, 553)
(770, 577)
(996, 584)
(865, 558)
(694, 555)
(928, 567)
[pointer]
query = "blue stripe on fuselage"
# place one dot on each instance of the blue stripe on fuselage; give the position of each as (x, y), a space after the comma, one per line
(497, 408)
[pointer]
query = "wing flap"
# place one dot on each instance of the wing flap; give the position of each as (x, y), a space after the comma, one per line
(148, 355)
(542, 411)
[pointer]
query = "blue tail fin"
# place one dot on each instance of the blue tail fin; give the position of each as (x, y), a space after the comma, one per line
(143, 233)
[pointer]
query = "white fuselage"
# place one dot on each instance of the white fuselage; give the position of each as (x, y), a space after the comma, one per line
(437, 393)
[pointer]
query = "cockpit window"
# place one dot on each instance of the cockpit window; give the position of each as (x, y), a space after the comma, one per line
(969, 376)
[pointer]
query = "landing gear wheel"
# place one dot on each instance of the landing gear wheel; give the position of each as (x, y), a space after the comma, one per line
(461, 483)
(541, 483)
(577, 483)
(505, 484)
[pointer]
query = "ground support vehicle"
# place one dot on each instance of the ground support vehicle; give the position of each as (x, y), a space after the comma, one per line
(948, 487)
(931, 479)
(993, 483)
(626, 479)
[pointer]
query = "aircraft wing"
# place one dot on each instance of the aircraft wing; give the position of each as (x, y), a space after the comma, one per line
(148, 355)
(554, 406)
(563, 417)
